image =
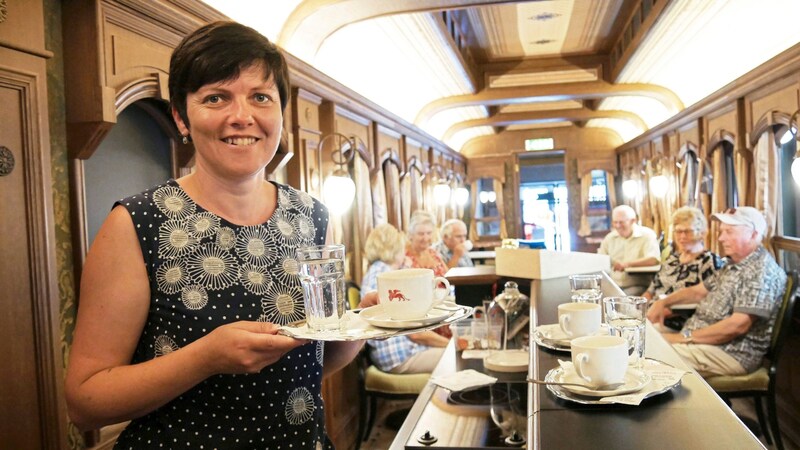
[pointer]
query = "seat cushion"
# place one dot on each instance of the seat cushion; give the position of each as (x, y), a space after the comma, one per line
(755, 381)
(376, 380)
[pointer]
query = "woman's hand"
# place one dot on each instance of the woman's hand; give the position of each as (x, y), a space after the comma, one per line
(370, 299)
(246, 347)
(658, 311)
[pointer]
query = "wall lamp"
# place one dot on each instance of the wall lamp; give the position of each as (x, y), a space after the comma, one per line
(441, 190)
(659, 184)
(338, 190)
(790, 134)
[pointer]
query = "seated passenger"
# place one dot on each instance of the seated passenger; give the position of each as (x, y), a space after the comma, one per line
(414, 353)
(453, 247)
(689, 263)
(629, 245)
(732, 327)
(419, 253)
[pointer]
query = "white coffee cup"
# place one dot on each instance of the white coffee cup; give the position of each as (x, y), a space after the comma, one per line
(600, 360)
(410, 293)
(468, 245)
(579, 319)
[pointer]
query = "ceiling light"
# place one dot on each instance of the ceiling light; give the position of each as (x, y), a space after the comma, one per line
(630, 188)
(461, 196)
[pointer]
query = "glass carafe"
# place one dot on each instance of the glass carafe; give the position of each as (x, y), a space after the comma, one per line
(512, 308)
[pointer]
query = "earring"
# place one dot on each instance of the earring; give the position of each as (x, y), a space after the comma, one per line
(185, 140)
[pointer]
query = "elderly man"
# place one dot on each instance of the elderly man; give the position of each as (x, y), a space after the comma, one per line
(732, 327)
(630, 245)
(454, 245)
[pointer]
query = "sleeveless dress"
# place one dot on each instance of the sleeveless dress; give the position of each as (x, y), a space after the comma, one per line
(205, 272)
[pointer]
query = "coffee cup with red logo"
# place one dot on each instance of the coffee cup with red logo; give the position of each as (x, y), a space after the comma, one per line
(410, 293)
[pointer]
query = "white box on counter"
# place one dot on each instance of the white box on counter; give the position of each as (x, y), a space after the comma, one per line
(544, 264)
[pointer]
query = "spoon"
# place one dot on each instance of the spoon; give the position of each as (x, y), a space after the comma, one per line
(605, 387)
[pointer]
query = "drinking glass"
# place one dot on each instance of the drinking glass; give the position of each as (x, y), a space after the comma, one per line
(324, 293)
(625, 317)
(586, 288)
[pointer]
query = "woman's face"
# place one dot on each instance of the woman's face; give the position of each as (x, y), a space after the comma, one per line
(235, 125)
(422, 237)
(685, 235)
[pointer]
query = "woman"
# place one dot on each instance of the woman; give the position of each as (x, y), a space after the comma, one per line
(689, 263)
(419, 253)
(186, 284)
(414, 353)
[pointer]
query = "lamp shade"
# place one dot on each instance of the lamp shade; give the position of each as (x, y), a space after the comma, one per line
(462, 196)
(630, 188)
(659, 185)
(796, 170)
(338, 191)
(441, 194)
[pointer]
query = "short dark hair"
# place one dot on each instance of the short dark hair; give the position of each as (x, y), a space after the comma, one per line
(218, 52)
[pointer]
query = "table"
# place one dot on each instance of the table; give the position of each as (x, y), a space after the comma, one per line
(689, 416)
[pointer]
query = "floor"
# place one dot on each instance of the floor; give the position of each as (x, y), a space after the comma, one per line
(382, 435)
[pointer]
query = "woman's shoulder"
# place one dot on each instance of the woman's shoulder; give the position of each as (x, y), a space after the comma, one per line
(167, 195)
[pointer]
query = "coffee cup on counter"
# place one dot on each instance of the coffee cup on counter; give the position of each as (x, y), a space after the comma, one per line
(600, 360)
(410, 293)
(579, 319)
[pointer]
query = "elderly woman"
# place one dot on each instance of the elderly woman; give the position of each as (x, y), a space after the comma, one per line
(419, 253)
(414, 353)
(186, 285)
(689, 262)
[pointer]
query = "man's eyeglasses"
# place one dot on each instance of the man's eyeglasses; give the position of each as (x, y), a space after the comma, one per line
(687, 231)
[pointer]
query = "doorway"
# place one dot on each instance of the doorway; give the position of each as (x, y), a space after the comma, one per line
(543, 200)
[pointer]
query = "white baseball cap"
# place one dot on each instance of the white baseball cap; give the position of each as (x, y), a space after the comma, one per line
(743, 215)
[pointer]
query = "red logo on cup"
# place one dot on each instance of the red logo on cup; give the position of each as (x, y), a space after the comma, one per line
(395, 294)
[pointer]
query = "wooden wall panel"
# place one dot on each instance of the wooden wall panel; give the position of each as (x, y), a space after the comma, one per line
(32, 411)
(130, 57)
(724, 120)
(23, 28)
(689, 133)
(780, 97)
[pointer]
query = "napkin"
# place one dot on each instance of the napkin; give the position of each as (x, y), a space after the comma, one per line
(463, 380)
(662, 376)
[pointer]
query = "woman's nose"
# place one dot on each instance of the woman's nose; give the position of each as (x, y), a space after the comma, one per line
(241, 113)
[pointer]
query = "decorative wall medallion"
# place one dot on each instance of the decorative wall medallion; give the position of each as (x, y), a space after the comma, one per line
(6, 161)
(543, 41)
(544, 16)
(3, 11)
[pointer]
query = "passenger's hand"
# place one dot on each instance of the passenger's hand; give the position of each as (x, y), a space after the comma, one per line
(658, 312)
(460, 250)
(619, 266)
(245, 347)
(370, 299)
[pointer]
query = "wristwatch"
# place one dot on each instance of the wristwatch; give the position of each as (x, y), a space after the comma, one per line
(687, 336)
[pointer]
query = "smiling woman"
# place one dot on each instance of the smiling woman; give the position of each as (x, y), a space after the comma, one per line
(195, 276)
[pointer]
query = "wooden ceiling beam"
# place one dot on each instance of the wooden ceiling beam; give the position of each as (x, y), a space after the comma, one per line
(535, 117)
(549, 93)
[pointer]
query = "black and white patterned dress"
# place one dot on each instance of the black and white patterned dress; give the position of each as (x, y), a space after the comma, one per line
(205, 272)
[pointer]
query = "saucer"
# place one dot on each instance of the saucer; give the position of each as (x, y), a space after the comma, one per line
(375, 316)
(553, 334)
(634, 381)
(507, 361)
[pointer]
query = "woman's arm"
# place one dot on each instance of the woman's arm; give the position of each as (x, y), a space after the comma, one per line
(429, 338)
(659, 309)
(102, 386)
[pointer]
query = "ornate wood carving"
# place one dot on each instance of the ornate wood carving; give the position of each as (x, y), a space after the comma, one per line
(6, 161)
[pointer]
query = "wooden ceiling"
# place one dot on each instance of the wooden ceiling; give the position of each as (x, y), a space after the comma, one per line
(479, 67)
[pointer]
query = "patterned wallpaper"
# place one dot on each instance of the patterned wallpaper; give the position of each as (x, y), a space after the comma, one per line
(60, 184)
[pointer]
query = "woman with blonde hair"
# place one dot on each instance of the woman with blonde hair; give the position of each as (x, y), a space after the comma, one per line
(689, 263)
(414, 353)
(419, 253)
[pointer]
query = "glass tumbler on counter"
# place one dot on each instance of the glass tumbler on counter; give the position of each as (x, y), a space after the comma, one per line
(586, 288)
(324, 293)
(626, 317)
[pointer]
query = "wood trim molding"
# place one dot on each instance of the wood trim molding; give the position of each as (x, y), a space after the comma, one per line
(768, 120)
(789, 244)
(716, 140)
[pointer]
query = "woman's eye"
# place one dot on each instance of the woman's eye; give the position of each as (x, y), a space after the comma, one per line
(213, 99)
(262, 98)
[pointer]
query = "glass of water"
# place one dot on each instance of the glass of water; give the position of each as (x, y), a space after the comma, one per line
(324, 293)
(626, 317)
(586, 288)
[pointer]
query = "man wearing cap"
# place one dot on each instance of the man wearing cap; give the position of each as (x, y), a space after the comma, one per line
(454, 245)
(630, 245)
(731, 329)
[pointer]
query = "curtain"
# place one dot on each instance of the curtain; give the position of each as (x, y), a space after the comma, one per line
(586, 183)
(743, 173)
(394, 211)
(473, 224)
(379, 203)
(655, 204)
(405, 201)
(766, 165)
(719, 200)
(498, 190)
(362, 214)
